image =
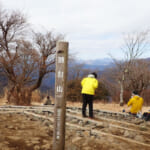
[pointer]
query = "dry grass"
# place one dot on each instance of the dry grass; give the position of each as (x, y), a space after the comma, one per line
(36, 96)
(107, 106)
(36, 100)
(42, 101)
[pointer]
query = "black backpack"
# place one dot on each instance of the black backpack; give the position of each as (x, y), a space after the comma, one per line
(146, 116)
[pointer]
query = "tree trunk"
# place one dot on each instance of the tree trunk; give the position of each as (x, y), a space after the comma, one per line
(19, 96)
(121, 93)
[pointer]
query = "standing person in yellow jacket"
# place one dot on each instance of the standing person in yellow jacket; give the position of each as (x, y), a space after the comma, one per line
(136, 103)
(89, 84)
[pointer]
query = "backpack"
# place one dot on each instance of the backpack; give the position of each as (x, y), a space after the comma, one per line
(146, 116)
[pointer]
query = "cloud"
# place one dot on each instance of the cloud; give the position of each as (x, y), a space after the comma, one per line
(105, 16)
(88, 24)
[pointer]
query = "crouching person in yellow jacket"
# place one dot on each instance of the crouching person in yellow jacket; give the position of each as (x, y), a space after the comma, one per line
(89, 84)
(136, 103)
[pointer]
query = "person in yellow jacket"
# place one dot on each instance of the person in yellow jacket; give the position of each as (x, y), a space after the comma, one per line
(89, 84)
(136, 103)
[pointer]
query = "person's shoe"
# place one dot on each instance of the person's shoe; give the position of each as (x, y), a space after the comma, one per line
(84, 116)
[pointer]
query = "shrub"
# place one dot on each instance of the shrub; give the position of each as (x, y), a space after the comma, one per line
(74, 91)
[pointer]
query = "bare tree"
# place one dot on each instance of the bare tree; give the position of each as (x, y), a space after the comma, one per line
(25, 61)
(135, 45)
(108, 78)
(139, 76)
(76, 69)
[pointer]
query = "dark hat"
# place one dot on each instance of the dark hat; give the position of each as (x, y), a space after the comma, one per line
(95, 74)
(135, 92)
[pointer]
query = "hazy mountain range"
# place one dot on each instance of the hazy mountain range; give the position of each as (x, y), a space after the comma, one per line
(99, 64)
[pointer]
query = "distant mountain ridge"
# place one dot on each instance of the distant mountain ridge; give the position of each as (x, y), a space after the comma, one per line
(103, 63)
(100, 64)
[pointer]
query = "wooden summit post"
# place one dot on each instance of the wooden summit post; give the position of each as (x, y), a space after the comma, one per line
(60, 95)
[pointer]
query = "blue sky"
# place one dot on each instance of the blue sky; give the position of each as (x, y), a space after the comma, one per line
(93, 28)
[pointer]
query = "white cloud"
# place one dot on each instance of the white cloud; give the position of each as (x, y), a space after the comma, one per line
(90, 25)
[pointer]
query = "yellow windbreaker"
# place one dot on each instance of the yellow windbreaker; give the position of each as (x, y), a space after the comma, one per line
(89, 85)
(136, 103)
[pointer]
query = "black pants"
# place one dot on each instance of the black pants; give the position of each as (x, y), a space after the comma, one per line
(87, 99)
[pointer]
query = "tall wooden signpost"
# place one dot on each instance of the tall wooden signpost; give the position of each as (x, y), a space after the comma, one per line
(60, 95)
